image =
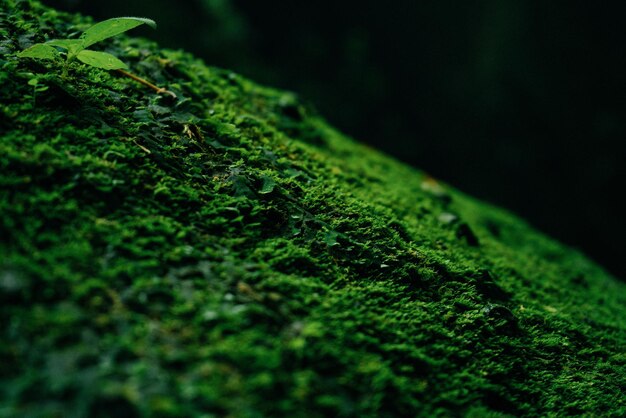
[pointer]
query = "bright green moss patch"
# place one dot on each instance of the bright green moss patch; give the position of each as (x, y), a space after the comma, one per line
(228, 253)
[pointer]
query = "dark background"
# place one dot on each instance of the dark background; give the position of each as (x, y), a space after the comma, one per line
(520, 103)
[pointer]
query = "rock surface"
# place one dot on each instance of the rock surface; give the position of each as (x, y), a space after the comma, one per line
(228, 253)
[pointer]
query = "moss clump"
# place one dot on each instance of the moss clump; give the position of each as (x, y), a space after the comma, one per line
(229, 253)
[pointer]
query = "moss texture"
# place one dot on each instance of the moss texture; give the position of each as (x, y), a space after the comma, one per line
(229, 253)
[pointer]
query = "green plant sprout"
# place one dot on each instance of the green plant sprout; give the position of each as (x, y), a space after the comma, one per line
(76, 49)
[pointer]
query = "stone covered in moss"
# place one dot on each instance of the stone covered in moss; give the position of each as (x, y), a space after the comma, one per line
(229, 253)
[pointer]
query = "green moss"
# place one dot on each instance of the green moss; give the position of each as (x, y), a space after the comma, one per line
(229, 253)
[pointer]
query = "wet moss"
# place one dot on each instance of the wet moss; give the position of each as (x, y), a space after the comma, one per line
(229, 253)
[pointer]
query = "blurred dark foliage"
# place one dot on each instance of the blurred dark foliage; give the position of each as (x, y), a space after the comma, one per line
(519, 103)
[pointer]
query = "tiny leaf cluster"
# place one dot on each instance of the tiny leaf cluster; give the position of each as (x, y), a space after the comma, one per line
(77, 48)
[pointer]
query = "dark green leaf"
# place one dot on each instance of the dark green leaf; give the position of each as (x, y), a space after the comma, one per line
(41, 51)
(112, 27)
(102, 60)
(268, 185)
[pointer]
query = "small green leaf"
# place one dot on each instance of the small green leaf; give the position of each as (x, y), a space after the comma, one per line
(41, 51)
(330, 238)
(100, 60)
(73, 46)
(112, 27)
(268, 185)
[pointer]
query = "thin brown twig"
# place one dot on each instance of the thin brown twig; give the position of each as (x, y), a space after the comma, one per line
(146, 83)
(146, 150)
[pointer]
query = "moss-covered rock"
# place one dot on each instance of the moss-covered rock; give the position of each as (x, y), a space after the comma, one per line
(229, 253)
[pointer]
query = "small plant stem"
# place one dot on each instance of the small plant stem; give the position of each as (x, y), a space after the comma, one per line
(146, 83)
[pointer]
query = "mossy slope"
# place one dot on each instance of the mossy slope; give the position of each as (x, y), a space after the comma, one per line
(229, 253)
